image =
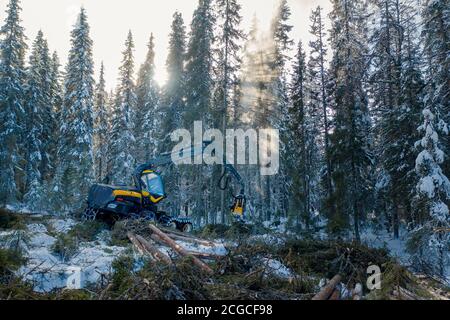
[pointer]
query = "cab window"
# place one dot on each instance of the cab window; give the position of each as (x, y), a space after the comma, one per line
(153, 184)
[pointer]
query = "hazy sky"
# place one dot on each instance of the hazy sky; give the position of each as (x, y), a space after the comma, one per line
(110, 21)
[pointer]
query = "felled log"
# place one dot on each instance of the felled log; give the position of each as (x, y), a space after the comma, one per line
(203, 255)
(357, 292)
(336, 295)
(158, 239)
(327, 291)
(158, 255)
(173, 232)
(146, 248)
(200, 255)
(192, 240)
(180, 250)
(138, 245)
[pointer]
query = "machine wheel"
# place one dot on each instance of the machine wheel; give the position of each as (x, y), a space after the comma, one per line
(148, 215)
(89, 214)
(173, 225)
(187, 227)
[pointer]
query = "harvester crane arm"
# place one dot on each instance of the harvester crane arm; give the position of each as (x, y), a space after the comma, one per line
(166, 159)
(231, 169)
(189, 153)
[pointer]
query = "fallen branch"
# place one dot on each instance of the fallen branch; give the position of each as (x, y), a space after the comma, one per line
(179, 249)
(105, 291)
(327, 291)
(404, 294)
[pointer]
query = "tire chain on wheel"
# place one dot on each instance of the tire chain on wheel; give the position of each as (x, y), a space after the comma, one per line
(90, 214)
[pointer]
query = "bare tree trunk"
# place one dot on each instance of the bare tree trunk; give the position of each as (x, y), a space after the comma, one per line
(395, 219)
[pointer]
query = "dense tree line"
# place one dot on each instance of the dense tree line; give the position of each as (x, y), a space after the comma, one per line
(362, 110)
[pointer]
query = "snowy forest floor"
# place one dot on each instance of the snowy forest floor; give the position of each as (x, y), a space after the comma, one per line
(58, 257)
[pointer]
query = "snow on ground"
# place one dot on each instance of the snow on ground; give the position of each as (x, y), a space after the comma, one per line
(276, 268)
(21, 209)
(269, 239)
(278, 225)
(93, 260)
(217, 249)
(62, 226)
(47, 271)
(96, 261)
(382, 239)
(89, 265)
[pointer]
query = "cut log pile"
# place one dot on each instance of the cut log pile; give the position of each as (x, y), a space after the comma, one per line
(152, 241)
(330, 290)
(168, 238)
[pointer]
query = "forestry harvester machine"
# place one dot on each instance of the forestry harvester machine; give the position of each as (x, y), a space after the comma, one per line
(113, 203)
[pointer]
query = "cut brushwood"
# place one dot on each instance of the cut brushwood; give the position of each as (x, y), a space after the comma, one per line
(404, 294)
(179, 249)
(327, 291)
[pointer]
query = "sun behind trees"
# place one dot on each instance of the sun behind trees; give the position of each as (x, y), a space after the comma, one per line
(362, 110)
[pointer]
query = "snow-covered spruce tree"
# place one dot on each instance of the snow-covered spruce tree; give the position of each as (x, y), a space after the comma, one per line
(198, 89)
(430, 242)
(411, 103)
(172, 105)
(100, 138)
(110, 114)
(298, 166)
(122, 138)
(48, 116)
(396, 88)
(75, 172)
(275, 186)
(12, 78)
(56, 104)
(229, 38)
(318, 87)
(257, 101)
(199, 65)
(385, 88)
(350, 149)
(436, 36)
(39, 120)
(173, 93)
(280, 30)
(146, 116)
